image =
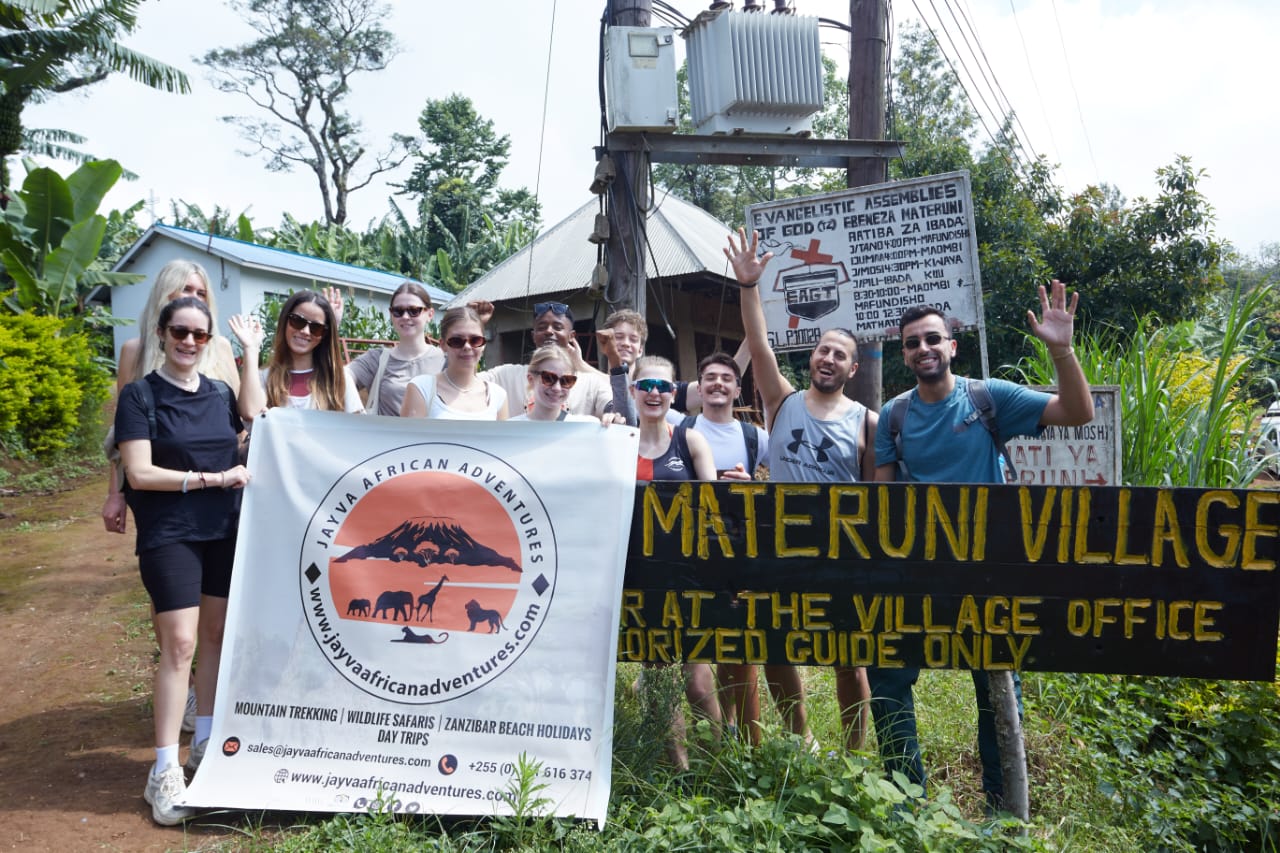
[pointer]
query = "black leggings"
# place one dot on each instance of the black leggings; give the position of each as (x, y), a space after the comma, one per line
(176, 575)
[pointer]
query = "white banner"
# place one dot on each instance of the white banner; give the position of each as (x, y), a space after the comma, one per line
(415, 605)
(858, 258)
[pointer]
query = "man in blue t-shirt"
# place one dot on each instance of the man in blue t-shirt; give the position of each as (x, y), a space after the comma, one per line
(944, 441)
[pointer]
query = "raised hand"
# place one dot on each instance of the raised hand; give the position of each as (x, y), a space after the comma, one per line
(248, 330)
(747, 268)
(335, 299)
(1057, 318)
(483, 309)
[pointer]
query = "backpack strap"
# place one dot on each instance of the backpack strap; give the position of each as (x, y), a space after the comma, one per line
(752, 440)
(680, 440)
(148, 404)
(897, 417)
(984, 410)
(371, 405)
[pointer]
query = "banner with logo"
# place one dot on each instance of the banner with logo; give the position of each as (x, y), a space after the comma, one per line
(417, 606)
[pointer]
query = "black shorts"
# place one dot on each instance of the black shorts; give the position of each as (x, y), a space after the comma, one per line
(177, 575)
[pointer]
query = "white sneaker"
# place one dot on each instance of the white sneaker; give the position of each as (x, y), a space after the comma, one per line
(189, 714)
(163, 792)
(196, 755)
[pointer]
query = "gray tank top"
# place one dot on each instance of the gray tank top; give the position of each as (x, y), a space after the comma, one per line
(804, 449)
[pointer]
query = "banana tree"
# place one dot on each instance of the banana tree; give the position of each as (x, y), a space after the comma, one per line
(50, 237)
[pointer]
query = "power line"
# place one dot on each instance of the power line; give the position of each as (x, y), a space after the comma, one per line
(980, 55)
(1066, 60)
(1010, 156)
(1044, 112)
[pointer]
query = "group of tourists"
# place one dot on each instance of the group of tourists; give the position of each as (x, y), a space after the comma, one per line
(184, 412)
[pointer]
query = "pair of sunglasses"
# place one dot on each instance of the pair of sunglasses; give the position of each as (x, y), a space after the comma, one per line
(181, 333)
(540, 308)
(662, 386)
(566, 380)
(932, 339)
(459, 341)
(411, 310)
(297, 322)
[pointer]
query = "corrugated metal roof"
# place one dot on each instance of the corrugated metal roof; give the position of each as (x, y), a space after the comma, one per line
(684, 240)
(282, 261)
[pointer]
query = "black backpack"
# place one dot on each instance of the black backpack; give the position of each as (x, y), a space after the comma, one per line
(749, 436)
(984, 410)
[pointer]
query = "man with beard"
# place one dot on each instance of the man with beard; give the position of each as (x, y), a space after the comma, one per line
(944, 437)
(553, 321)
(816, 436)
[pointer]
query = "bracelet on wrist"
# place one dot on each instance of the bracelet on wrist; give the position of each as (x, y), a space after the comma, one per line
(1068, 354)
(185, 481)
(222, 479)
(747, 285)
(203, 484)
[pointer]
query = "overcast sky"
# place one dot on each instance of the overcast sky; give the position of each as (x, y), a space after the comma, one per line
(1108, 89)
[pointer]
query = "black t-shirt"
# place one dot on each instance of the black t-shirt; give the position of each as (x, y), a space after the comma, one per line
(195, 431)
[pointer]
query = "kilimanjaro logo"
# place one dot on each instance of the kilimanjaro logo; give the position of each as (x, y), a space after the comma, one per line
(819, 449)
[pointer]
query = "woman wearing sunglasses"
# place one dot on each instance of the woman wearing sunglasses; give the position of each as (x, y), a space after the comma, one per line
(143, 354)
(457, 393)
(551, 377)
(180, 451)
(673, 452)
(305, 370)
(385, 372)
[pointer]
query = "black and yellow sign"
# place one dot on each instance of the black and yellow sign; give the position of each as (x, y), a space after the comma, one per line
(1136, 581)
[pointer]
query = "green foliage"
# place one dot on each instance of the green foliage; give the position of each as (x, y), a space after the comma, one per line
(54, 46)
(1187, 419)
(50, 237)
(461, 208)
(51, 390)
(1150, 257)
(1195, 765)
(299, 72)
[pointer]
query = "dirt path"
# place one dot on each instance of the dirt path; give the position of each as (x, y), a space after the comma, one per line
(75, 724)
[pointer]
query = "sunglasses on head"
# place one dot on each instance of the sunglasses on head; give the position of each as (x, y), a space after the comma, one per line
(566, 380)
(181, 333)
(297, 322)
(662, 386)
(540, 308)
(459, 341)
(411, 310)
(932, 339)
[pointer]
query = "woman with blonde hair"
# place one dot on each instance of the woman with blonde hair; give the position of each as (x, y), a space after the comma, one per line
(551, 375)
(143, 354)
(305, 370)
(457, 393)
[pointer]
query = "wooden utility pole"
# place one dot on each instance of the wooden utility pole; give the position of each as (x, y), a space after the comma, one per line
(868, 42)
(868, 48)
(627, 194)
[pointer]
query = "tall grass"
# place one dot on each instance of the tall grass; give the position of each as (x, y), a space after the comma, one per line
(1186, 417)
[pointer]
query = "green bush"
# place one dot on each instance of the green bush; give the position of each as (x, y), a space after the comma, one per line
(1194, 764)
(51, 387)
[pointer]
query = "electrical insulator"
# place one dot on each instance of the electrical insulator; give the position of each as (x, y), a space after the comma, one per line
(599, 281)
(605, 173)
(600, 233)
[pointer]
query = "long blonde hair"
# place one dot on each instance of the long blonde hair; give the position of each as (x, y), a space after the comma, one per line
(167, 287)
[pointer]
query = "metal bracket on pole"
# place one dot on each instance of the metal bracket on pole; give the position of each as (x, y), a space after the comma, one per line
(747, 150)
